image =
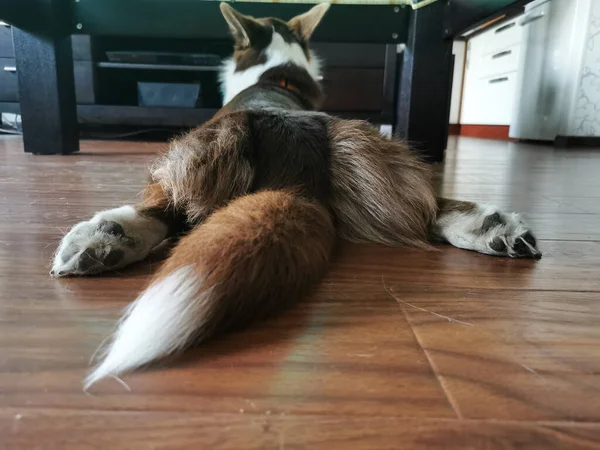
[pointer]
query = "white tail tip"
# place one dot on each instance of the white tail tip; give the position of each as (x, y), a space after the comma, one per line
(162, 320)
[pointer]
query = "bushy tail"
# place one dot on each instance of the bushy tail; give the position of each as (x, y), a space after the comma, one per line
(248, 260)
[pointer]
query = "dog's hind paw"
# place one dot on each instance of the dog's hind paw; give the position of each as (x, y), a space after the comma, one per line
(490, 231)
(112, 239)
(92, 247)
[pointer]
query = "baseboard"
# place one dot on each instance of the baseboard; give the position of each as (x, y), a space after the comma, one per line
(499, 132)
(577, 141)
(454, 129)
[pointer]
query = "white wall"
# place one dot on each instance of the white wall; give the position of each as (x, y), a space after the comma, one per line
(459, 51)
(586, 116)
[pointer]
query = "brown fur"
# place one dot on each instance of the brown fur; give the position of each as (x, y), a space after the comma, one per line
(380, 191)
(258, 254)
(157, 205)
(265, 187)
(262, 190)
(205, 169)
(447, 206)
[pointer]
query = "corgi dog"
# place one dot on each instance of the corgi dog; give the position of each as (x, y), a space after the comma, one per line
(258, 197)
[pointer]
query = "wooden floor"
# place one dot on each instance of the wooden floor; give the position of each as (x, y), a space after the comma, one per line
(398, 348)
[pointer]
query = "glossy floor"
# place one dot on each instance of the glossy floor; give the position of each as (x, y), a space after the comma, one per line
(398, 348)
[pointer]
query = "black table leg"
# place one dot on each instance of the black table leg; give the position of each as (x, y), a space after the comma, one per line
(423, 106)
(46, 93)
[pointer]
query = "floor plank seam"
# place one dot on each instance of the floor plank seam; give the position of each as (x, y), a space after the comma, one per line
(13, 410)
(451, 401)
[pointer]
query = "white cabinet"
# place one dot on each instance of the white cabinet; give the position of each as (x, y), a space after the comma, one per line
(459, 50)
(492, 65)
(489, 101)
(502, 61)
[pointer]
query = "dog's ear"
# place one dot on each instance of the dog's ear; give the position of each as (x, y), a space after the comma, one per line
(305, 24)
(241, 26)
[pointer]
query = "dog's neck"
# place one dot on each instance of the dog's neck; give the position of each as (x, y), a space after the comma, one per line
(288, 83)
(286, 87)
(236, 77)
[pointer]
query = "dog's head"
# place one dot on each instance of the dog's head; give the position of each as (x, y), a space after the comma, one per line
(262, 44)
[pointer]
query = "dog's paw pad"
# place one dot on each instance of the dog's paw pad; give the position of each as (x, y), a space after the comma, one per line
(498, 244)
(91, 248)
(525, 246)
(507, 235)
(490, 222)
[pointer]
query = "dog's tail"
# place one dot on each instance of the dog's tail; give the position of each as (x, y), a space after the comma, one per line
(247, 261)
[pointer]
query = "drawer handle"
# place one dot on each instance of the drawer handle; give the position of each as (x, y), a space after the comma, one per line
(505, 27)
(528, 20)
(499, 80)
(501, 54)
(11, 69)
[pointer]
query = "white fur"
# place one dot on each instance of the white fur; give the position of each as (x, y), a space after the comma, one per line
(145, 232)
(278, 52)
(162, 320)
(463, 230)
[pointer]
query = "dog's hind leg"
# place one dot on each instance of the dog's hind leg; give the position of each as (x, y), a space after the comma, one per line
(202, 171)
(379, 191)
(117, 237)
(484, 229)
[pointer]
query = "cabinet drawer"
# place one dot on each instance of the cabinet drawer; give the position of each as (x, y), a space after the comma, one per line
(6, 44)
(489, 101)
(353, 90)
(501, 36)
(502, 61)
(8, 80)
(84, 81)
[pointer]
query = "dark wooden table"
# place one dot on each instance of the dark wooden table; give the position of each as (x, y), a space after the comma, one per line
(421, 98)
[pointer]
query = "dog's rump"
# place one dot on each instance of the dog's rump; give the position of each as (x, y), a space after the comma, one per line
(243, 152)
(375, 187)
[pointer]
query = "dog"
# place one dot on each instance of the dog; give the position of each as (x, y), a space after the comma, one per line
(258, 196)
